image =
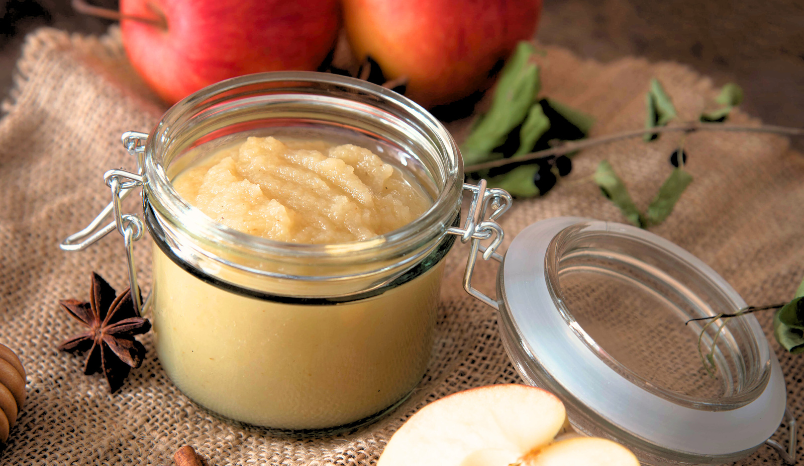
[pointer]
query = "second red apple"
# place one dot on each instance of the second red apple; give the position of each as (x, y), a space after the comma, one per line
(447, 48)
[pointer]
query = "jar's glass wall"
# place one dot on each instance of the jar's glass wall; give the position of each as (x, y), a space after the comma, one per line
(292, 366)
(305, 103)
(291, 335)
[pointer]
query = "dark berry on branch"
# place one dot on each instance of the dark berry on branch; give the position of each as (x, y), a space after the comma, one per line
(564, 165)
(544, 179)
(674, 157)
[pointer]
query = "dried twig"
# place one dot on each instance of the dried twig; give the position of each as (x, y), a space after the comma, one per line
(743, 311)
(572, 146)
(85, 8)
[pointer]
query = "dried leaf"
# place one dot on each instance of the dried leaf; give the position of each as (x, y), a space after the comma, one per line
(792, 339)
(652, 118)
(516, 90)
(716, 116)
(731, 95)
(518, 182)
(371, 71)
(660, 108)
(800, 290)
(668, 195)
(613, 188)
(535, 125)
(792, 314)
(398, 85)
(582, 121)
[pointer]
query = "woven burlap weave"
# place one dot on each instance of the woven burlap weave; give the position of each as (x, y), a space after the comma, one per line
(74, 97)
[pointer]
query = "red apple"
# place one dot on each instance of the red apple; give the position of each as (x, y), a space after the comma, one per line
(447, 48)
(200, 42)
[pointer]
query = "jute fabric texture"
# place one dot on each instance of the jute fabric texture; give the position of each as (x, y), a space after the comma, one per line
(75, 96)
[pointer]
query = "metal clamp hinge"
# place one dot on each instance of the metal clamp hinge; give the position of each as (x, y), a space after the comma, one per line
(121, 183)
(477, 228)
(789, 455)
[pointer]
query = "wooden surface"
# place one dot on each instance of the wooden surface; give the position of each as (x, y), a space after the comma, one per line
(759, 45)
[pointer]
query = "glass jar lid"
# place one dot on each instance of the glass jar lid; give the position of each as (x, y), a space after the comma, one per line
(598, 312)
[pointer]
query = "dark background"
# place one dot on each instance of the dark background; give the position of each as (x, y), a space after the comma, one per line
(758, 44)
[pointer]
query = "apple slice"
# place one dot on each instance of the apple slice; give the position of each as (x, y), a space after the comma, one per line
(584, 451)
(488, 426)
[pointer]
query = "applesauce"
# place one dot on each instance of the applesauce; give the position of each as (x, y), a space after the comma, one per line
(302, 191)
(293, 366)
(286, 365)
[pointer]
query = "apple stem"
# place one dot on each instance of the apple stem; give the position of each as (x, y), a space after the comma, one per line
(83, 7)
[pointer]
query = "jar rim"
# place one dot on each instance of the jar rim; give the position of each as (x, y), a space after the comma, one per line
(431, 225)
(618, 257)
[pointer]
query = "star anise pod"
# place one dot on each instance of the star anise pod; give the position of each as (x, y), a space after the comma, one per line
(112, 323)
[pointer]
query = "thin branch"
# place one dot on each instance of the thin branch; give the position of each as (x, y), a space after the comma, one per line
(572, 146)
(709, 371)
(746, 310)
(85, 8)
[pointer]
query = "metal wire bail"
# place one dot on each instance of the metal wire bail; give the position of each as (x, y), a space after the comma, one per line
(789, 455)
(477, 229)
(121, 183)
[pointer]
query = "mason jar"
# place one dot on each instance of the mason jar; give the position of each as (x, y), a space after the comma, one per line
(286, 335)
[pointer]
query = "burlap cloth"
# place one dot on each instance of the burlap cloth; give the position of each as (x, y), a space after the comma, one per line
(74, 97)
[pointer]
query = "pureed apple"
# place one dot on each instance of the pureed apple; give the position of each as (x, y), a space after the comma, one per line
(288, 365)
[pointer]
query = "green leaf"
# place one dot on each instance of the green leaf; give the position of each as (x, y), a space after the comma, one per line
(663, 103)
(668, 195)
(580, 120)
(652, 117)
(731, 95)
(800, 290)
(792, 314)
(613, 188)
(535, 125)
(791, 339)
(518, 182)
(716, 116)
(516, 91)
(660, 108)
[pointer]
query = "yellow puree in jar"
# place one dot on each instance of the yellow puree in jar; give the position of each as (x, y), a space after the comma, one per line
(287, 365)
(302, 192)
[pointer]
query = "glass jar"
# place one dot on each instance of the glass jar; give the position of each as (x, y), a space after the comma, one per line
(294, 336)
(297, 336)
(601, 313)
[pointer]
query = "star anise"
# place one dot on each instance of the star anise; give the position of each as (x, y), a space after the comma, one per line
(112, 322)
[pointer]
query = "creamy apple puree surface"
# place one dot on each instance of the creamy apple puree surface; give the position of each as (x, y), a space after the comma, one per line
(302, 192)
(289, 365)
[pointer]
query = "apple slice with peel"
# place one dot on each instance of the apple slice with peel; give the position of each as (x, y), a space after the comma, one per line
(584, 451)
(495, 425)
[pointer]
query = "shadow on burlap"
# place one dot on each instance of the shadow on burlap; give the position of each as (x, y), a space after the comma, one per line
(75, 96)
